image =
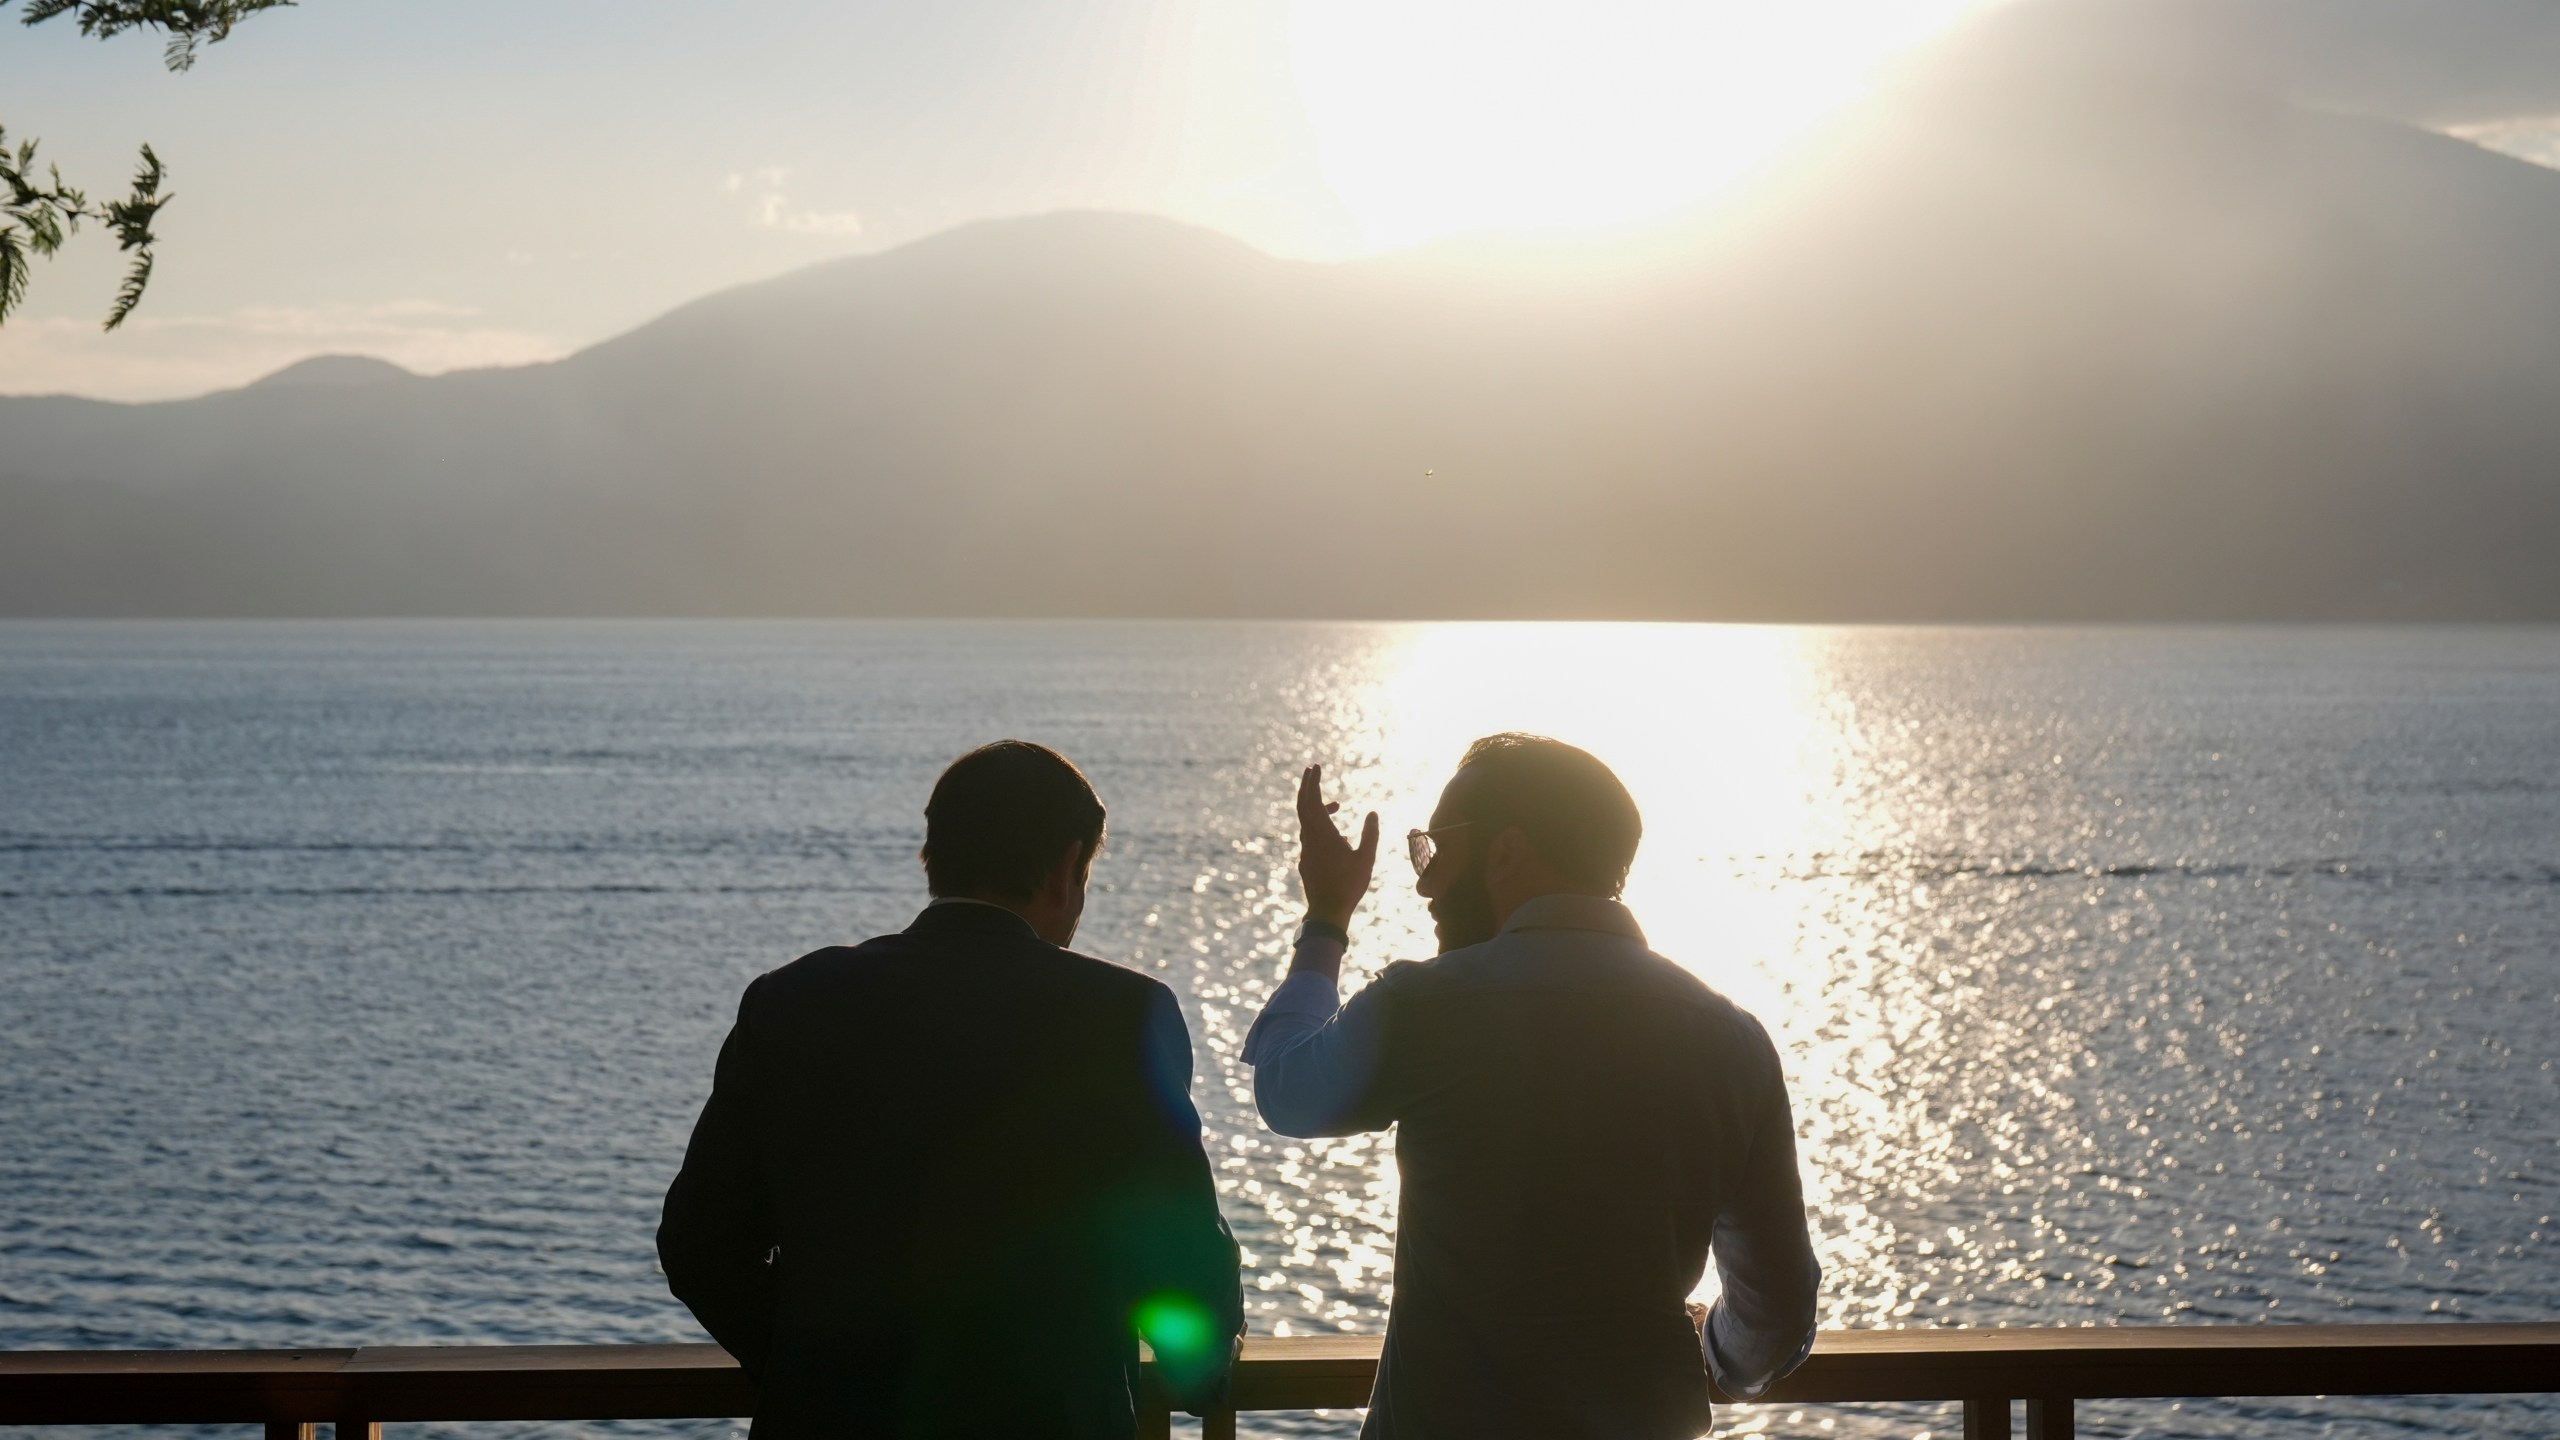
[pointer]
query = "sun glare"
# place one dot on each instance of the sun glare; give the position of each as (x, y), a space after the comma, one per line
(1434, 117)
(1723, 733)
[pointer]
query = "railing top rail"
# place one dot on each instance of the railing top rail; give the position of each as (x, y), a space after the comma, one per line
(564, 1382)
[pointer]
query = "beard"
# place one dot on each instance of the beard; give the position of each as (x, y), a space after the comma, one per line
(1463, 914)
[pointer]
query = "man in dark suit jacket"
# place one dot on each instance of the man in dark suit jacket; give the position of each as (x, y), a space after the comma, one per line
(945, 1176)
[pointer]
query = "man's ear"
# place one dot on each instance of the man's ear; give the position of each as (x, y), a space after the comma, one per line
(1509, 852)
(1068, 875)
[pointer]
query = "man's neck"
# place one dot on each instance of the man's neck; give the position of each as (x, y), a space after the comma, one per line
(977, 900)
(1507, 905)
(1040, 918)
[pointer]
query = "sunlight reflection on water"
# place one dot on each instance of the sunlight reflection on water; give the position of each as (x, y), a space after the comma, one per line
(1982, 894)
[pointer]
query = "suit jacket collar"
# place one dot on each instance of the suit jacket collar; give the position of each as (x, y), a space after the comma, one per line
(954, 916)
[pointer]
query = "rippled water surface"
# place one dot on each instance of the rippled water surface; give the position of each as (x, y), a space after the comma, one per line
(358, 983)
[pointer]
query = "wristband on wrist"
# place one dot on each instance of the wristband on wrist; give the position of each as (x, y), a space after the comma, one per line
(1326, 929)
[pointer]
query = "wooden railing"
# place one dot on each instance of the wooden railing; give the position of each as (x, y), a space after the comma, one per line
(357, 1391)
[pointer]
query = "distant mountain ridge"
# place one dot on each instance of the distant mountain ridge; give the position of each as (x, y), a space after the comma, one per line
(332, 370)
(2017, 352)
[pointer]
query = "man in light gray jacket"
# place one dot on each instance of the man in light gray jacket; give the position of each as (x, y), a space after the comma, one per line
(1582, 1122)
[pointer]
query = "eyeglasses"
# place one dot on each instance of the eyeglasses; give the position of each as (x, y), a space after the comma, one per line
(1420, 847)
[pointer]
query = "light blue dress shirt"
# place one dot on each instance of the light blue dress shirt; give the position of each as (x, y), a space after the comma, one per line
(1568, 1101)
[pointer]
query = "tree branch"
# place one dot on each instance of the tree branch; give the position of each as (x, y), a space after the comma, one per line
(189, 24)
(35, 217)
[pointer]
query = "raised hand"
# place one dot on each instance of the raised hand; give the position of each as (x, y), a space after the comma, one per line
(1334, 872)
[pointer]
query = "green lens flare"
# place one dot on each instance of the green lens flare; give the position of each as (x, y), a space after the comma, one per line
(1178, 1328)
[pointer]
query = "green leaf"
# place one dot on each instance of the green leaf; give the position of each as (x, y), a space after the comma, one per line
(129, 294)
(13, 272)
(131, 217)
(44, 230)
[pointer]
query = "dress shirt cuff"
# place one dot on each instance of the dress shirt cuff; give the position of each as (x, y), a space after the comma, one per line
(1304, 1001)
(1745, 1380)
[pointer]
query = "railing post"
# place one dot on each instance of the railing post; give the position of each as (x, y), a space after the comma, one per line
(1218, 1425)
(2050, 1419)
(1986, 1419)
(291, 1430)
(1155, 1419)
(356, 1428)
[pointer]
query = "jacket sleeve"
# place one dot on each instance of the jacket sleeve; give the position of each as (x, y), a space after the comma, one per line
(1189, 1299)
(1762, 1325)
(716, 1237)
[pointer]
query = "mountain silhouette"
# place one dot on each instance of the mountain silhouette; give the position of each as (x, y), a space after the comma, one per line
(331, 370)
(2029, 350)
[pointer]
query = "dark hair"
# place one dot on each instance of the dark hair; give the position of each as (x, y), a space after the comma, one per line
(1000, 816)
(1581, 820)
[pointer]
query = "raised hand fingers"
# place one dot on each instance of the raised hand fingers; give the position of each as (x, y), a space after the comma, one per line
(1335, 875)
(1314, 815)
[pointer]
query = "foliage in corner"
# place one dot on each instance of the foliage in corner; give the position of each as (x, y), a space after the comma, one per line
(39, 215)
(37, 212)
(189, 24)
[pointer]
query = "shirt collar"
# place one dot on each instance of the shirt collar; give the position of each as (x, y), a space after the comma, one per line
(960, 912)
(1575, 912)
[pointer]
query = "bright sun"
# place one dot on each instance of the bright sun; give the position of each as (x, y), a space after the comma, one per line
(1440, 116)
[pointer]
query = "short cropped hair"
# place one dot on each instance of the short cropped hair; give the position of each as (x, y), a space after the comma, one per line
(1582, 822)
(1001, 816)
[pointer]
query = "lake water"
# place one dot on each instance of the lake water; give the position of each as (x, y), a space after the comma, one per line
(359, 982)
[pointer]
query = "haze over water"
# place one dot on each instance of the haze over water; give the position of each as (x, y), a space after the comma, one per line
(361, 980)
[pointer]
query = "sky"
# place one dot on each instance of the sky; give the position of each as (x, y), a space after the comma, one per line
(481, 182)
(491, 182)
